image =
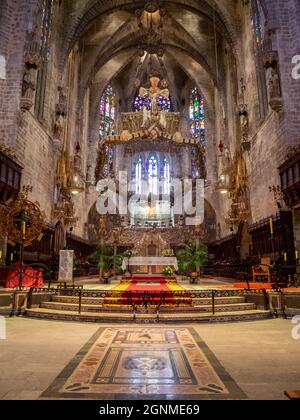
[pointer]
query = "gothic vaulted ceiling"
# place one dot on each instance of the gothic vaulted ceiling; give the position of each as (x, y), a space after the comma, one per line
(194, 35)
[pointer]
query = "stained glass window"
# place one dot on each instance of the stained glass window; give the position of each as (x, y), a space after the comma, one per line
(45, 43)
(164, 103)
(152, 167)
(259, 17)
(166, 176)
(138, 176)
(257, 21)
(107, 112)
(197, 116)
(144, 101)
(46, 29)
(195, 169)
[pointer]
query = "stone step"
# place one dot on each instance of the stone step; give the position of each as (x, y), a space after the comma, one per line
(126, 308)
(100, 300)
(43, 313)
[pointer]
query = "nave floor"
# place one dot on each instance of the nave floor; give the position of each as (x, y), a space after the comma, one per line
(257, 360)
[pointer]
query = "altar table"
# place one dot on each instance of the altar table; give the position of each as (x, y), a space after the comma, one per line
(150, 261)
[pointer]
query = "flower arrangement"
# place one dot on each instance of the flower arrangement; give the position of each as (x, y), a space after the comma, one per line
(168, 271)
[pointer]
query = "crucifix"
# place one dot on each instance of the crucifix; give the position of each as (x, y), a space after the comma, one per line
(154, 92)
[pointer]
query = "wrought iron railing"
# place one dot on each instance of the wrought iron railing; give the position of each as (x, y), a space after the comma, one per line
(147, 299)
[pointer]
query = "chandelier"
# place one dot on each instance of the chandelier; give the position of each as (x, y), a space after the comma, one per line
(77, 184)
(150, 23)
(224, 184)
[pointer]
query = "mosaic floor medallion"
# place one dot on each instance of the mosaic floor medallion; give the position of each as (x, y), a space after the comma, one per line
(145, 363)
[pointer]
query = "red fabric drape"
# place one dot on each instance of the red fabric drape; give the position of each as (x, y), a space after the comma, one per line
(31, 278)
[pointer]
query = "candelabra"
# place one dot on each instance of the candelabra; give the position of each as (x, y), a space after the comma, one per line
(22, 221)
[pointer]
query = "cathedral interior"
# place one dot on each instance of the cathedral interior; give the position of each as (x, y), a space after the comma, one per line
(150, 183)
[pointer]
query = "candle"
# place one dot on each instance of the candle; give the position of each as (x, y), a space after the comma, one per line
(0, 255)
(271, 226)
(297, 254)
(11, 257)
(24, 228)
(285, 256)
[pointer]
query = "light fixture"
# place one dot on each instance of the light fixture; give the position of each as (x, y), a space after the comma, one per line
(150, 22)
(222, 185)
(77, 184)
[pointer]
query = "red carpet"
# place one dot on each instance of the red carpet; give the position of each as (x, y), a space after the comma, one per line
(138, 291)
(151, 279)
(147, 283)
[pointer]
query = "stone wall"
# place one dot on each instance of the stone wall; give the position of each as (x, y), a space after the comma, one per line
(14, 20)
(271, 135)
(35, 151)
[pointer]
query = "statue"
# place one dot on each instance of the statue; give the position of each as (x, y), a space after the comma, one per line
(32, 62)
(227, 160)
(28, 88)
(244, 123)
(273, 83)
(271, 64)
(162, 119)
(146, 117)
(101, 163)
(61, 106)
(60, 113)
(274, 89)
(59, 127)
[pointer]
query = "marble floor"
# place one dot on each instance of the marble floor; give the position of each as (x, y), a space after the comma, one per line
(52, 359)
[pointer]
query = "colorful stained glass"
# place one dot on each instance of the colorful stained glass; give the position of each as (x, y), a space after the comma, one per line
(167, 176)
(195, 169)
(46, 29)
(257, 21)
(152, 168)
(197, 118)
(144, 101)
(107, 112)
(138, 176)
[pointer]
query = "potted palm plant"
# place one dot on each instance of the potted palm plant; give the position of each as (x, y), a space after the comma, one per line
(103, 255)
(192, 257)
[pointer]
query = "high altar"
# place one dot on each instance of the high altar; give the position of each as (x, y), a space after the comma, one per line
(156, 149)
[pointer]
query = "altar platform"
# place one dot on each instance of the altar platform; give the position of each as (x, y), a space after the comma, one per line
(150, 299)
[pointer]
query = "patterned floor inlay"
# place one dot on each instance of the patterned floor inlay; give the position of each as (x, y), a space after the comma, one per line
(145, 363)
